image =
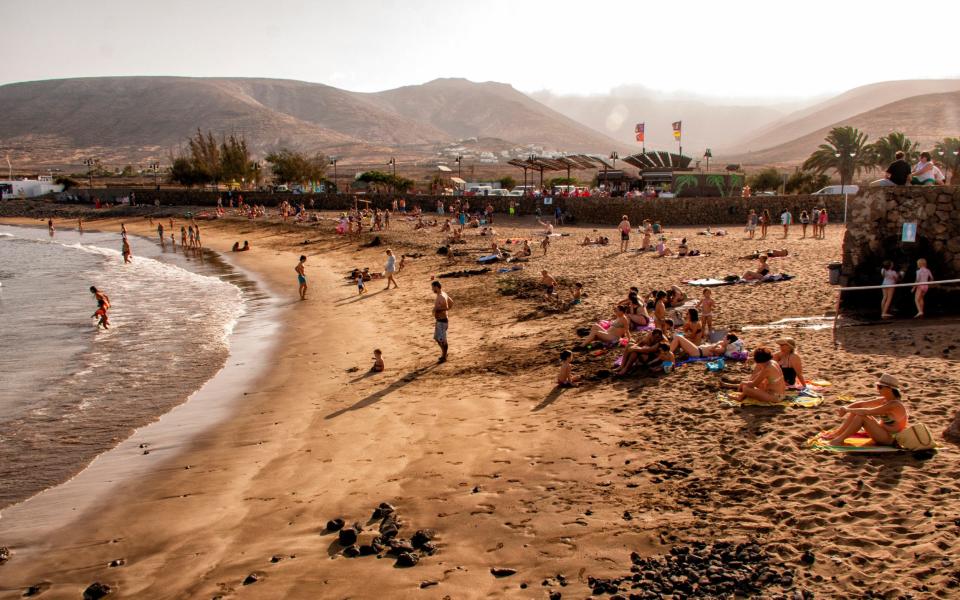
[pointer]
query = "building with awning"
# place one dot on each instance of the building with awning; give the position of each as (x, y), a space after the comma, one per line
(668, 171)
(566, 163)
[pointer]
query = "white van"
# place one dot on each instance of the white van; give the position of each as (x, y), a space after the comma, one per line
(834, 190)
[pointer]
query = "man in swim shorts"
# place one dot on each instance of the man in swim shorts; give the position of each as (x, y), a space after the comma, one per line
(302, 277)
(441, 305)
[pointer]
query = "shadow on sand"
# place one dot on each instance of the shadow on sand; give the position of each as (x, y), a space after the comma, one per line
(377, 396)
(552, 397)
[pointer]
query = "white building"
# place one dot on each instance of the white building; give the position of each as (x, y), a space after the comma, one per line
(29, 188)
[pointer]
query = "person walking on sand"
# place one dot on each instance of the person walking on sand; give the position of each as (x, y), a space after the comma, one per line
(125, 250)
(441, 305)
(786, 219)
(752, 220)
(624, 229)
(160, 233)
(923, 277)
(302, 277)
(103, 305)
(390, 269)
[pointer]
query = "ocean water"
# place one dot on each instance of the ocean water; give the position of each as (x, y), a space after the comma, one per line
(69, 392)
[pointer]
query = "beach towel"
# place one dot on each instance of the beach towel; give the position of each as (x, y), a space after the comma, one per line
(490, 258)
(793, 399)
(859, 442)
(706, 282)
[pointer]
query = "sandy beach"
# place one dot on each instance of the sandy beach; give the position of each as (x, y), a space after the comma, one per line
(504, 471)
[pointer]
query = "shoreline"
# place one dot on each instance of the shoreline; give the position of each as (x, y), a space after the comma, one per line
(52, 507)
(508, 470)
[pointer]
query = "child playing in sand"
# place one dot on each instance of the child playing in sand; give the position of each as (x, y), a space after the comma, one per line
(361, 289)
(545, 245)
(707, 305)
(666, 358)
(662, 248)
(565, 378)
(377, 361)
(923, 276)
(890, 277)
(577, 293)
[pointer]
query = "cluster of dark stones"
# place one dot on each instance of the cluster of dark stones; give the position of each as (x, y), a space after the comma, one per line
(387, 540)
(664, 470)
(4, 554)
(699, 570)
(96, 591)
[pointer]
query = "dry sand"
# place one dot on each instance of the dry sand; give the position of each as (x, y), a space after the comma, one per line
(509, 471)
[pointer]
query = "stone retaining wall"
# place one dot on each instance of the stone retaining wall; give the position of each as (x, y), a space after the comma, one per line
(874, 234)
(601, 211)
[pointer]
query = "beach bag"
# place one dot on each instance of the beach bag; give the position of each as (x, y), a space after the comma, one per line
(915, 437)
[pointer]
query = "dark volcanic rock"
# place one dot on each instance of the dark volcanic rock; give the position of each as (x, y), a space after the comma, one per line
(555, 595)
(421, 537)
(502, 571)
(808, 558)
(4, 554)
(96, 591)
(335, 524)
(351, 552)
(251, 578)
(119, 562)
(347, 536)
(426, 584)
(368, 550)
(407, 559)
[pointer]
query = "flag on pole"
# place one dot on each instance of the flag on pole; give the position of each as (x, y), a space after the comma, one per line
(676, 130)
(639, 131)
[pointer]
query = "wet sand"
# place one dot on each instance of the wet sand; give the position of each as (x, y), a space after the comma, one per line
(507, 470)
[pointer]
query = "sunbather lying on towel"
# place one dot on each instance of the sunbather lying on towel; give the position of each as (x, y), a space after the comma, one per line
(768, 253)
(726, 347)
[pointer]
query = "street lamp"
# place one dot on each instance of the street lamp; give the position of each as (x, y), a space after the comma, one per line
(843, 160)
(614, 156)
(91, 163)
(459, 161)
(333, 161)
(156, 174)
(708, 155)
(393, 184)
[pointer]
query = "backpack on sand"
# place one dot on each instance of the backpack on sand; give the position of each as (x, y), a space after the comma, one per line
(915, 437)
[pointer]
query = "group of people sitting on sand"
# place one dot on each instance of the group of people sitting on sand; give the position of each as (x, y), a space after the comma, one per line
(238, 248)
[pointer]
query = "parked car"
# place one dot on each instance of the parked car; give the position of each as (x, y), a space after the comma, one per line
(498, 192)
(515, 193)
(523, 188)
(834, 190)
(281, 188)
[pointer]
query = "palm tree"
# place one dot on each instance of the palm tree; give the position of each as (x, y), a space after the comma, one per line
(947, 151)
(885, 149)
(846, 151)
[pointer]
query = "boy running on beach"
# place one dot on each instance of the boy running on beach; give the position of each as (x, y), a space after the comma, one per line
(302, 277)
(441, 305)
(103, 304)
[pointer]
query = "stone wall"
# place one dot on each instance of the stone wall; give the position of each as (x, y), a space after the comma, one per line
(601, 211)
(874, 234)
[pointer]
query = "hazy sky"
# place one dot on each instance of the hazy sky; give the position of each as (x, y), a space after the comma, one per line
(715, 48)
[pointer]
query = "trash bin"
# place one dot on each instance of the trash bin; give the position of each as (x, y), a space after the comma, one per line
(834, 272)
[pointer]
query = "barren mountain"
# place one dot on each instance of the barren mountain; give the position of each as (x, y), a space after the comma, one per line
(925, 119)
(463, 109)
(131, 119)
(845, 106)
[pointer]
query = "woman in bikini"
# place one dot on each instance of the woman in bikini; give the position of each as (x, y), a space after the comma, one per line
(766, 382)
(882, 418)
(618, 328)
(790, 362)
(636, 312)
(725, 347)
